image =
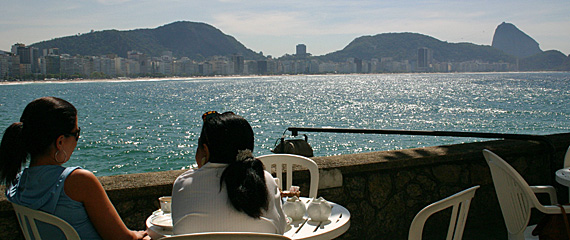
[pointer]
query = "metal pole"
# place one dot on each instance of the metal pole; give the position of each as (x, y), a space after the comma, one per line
(295, 131)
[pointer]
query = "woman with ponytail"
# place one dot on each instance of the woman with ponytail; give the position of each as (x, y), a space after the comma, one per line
(230, 192)
(47, 135)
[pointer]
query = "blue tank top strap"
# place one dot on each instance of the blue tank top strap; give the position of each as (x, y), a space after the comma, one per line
(67, 171)
(49, 203)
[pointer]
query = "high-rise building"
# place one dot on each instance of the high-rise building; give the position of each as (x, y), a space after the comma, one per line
(51, 64)
(51, 51)
(142, 60)
(35, 59)
(424, 58)
(135, 55)
(238, 62)
(301, 50)
(358, 64)
(262, 66)
(25, 54)
(5, 64)
(167, 55)
(16, 46)
(29, 58)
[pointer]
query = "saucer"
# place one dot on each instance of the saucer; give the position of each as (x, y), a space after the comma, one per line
(163, 221)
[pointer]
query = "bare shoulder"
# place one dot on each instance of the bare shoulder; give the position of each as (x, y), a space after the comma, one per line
(81, 185)
(82, 176)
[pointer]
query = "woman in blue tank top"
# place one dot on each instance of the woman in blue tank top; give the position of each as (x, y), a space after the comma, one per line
(47, 134)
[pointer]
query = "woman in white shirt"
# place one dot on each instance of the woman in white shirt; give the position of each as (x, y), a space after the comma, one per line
(230, 192)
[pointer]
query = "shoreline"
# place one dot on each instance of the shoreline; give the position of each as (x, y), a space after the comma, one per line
(142, 79)
(100, 80)
(175, 78)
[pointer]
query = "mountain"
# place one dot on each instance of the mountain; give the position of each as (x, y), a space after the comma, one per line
(199, 41)
(183, 39)
(566, 64)
(404, 46)
(545, 61)
(511, 40)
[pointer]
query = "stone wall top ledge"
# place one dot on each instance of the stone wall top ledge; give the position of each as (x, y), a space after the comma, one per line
(415, 157)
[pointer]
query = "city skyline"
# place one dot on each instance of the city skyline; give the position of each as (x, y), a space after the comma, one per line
(275, 28)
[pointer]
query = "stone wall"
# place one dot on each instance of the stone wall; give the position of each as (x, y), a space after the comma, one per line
(382, 190)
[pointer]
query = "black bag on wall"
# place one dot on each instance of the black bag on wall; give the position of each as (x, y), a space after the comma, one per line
(294, 146)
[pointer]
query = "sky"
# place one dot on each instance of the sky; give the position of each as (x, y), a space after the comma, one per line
(276, 27)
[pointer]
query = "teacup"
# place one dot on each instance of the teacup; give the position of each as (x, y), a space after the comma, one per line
(319, 210)
(294, 208)
(165, 203)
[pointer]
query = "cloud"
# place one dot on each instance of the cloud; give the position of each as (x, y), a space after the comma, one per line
(340, 18)
(112, 2)
(267, 23)
(261, 24)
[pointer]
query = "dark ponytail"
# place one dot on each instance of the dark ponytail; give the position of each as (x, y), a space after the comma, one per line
(245, 184)
(42, 122)
(229, 138)
(12, 153)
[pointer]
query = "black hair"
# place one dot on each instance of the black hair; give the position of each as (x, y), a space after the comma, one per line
(42, 122)
(226, 135)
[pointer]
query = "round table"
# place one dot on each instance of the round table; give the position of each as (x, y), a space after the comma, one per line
(563, 176)
(337, 224)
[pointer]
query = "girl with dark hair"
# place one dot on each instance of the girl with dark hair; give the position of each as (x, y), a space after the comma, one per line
(47, 135)
(230, 192)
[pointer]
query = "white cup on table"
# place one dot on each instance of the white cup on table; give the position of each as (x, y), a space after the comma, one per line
(165, 203)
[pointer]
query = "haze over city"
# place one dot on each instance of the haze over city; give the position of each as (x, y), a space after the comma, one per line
(276, 27)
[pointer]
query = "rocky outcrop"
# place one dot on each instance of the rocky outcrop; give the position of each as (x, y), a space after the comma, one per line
(511, 40)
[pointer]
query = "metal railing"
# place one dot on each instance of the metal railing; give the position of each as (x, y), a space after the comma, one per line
(540, 138)
(295, 131)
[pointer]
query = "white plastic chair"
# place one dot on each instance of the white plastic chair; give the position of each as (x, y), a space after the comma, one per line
(516, 197)
(28, 217)
(226, 235)
(460, 203)
(567, 163)
(289, 159)
(567, 158)
(202, 222)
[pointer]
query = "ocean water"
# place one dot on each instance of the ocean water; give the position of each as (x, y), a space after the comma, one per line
(153, 125)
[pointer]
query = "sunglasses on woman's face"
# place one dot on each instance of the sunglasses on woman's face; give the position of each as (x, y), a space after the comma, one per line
(75, 134)
(210, 114)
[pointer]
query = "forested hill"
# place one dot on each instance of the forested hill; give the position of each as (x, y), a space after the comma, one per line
(200, 40)
(183, 39)
(404, 46)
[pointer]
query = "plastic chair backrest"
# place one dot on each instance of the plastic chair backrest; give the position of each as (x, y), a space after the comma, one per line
(460, 203)
(202, 222)
(567, 158)
(516, 198)
(28, 217)
(226, 235)
(289, 159)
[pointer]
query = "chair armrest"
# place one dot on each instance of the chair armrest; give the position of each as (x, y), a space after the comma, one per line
(548, 190)
(549, 209)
